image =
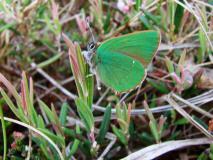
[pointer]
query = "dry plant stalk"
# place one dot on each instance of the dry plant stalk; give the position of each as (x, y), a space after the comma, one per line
(180, 110)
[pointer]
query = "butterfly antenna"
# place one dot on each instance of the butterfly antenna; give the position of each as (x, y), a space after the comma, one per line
(90, 30)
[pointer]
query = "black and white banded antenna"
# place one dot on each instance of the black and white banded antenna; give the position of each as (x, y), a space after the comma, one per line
(90, 30)
(89, 54)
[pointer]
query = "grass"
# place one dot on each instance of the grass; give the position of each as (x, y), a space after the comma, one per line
(50, 107)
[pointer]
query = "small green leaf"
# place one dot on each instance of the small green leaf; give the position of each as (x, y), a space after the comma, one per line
(202, 49)
(105, 124)
(85, 113)
(138, 4)
(56, 138)
(169, 65)
(181, 121)
(154, 130)
(50, 60)
(76, 143)
(211, 156)
(40, 123)
(154, 19)
(17, 111)
(159, 85)
(118, 111)
(90, 88)
(171, 12)
(29, 102)
(203, 156)
(43, 146)
(200, 121)
(125, 113)
(107, 21)
(69, 132)
(145, 22)
(178, 16)
(47, 111)
(153, 101)
(175, 135)
(56, 121)
(7, 26)
(3, 131)
(63, 113)
(120, 135)
(146, 138)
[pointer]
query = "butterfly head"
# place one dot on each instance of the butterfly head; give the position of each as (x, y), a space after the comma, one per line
(91, 47)
(88, 55)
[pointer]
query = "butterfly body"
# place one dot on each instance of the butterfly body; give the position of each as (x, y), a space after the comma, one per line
(120, 62)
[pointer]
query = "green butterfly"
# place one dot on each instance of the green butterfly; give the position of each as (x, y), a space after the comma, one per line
(120, 63)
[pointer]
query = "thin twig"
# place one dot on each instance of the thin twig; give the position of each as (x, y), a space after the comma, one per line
(102, 97)
(187, 116)
(207, 114)
(107, 149)
(54, 87)
(205, 4)
(51, 80)
(29, 146)
(165, 47)
(45, 88)
(154, 151)
(198, 100)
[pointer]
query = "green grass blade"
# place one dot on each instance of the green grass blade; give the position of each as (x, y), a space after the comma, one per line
(90, 88)
(3, 131)
(7, 26)
(76, 143)
(58, 127)
(169, 65)
(40, 122)
(171, 9)
(202, 49)
(85, 113)
(56, 138)
(63, 113)
(120, 135)
(30, 108)
(154, 130)
(50, 60)
(11, 89)
(18, 112)
(155, 20)
(47, 110)
(160, 86)
(178, 17)
(145, 22)
(138, 4)
(104, 125)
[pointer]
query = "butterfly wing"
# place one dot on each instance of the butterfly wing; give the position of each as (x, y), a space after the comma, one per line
(121, 61)
(141, 46)
(120, 72)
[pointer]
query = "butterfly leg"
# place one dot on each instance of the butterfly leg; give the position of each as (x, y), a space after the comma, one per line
(88, 57)
(93, 71)
(98, 82)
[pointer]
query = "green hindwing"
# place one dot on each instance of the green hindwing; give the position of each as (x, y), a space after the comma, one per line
(120, 72)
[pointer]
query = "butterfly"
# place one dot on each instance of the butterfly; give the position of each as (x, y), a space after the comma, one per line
(120, 63)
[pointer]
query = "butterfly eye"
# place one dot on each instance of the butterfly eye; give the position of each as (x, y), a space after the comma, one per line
(91, 46)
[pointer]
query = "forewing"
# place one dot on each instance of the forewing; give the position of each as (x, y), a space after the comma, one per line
(120, 72)
(141, 46)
